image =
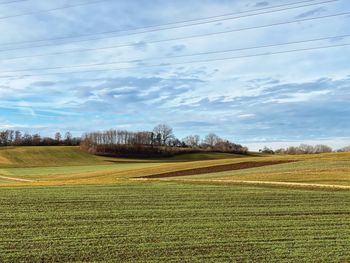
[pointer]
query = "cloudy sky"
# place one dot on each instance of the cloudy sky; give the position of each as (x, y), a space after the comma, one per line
(256, 72)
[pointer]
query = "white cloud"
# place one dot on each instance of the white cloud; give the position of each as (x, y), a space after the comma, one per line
(237, 98)
(300, 96)
(247, 115)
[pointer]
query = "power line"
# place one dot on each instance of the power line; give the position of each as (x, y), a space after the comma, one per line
(182, 63)
(12, 2)
(179, 38)
(52, 10)
(186, 21)
(181, 56)
(107, 37)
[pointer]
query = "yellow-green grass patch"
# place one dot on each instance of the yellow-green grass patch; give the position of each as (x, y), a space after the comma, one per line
(328, 172)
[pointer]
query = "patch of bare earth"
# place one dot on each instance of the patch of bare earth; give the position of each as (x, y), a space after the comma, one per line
(214, 169)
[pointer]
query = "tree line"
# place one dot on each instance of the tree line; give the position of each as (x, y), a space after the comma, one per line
(304, 149)
(160, 141)
(18, 138)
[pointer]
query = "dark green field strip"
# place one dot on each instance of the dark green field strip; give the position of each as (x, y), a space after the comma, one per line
(167, 222)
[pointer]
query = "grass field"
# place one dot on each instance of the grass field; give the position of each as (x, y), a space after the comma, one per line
(45, 156)
(75, 207)
(314, 171)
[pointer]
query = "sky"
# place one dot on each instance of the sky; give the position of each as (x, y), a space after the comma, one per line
(234, 68)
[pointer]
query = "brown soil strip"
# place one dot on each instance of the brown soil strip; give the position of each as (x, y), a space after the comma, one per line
(15, 179)
(214, 169)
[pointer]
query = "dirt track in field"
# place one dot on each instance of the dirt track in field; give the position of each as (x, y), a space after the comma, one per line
(273, 183)
(15, 179)
(214, 169)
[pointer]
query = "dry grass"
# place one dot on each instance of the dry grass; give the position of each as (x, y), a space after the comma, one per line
(46, 156)
(70, 166)
(324, 170)
(4, 160)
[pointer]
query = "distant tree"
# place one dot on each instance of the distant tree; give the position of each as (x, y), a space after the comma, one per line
(18, 138)
(68, 138)
(36, 140)
(58, 137)
(157, 138)
(267, 150)
(305, 149)
(211, 140)
(174, 142)
(3, 138)
(344, 149)
(6, 137)
(164, 133)
(292, 150)
(280, 151)
(15, 138)
(27, 139)
(10, 136)
(192, 141)
(322, 149)
(125, 143)
(47, 141)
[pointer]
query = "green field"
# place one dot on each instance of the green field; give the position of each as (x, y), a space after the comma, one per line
(76, 207)
(45, 156)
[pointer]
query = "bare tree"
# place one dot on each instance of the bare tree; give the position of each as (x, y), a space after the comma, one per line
(68, 138)
(280, 151)
(345, 149)
(163, 132)
(145, 143)
(58, 137)
(212, 139)
(36, 139)
(292, 150)
(306, 149)
(18, 138)
(15, 138)
(322, 149)
(267, 150)
(192, 141)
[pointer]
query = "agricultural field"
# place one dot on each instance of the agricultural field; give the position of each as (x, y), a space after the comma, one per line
(58, 204)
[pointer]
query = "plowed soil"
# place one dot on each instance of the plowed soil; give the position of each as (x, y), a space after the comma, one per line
(214, 169)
